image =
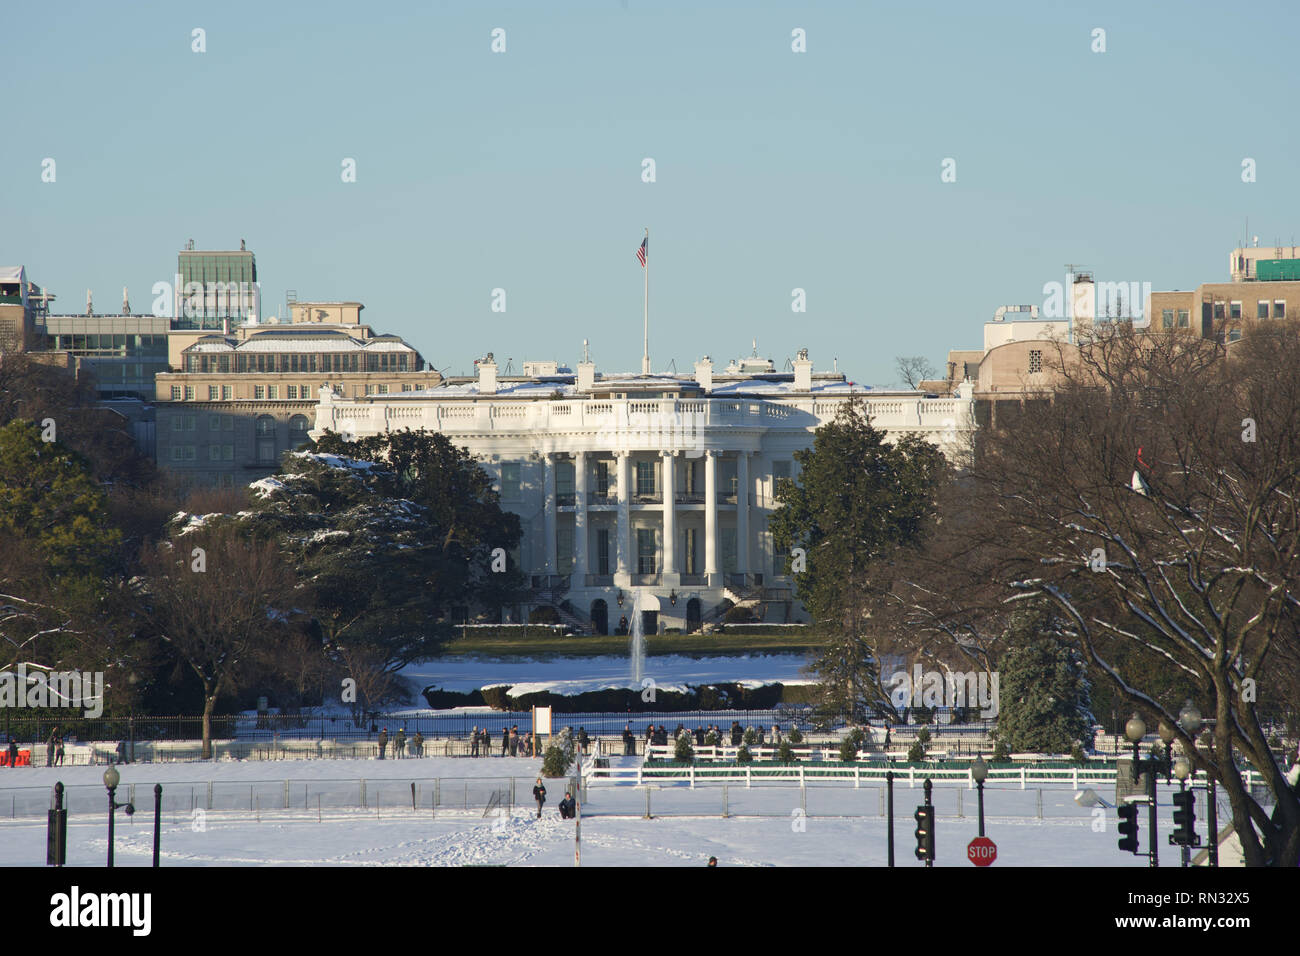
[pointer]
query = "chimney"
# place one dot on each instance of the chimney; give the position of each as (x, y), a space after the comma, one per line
(803, 372)
(704, 373)
(487, 375)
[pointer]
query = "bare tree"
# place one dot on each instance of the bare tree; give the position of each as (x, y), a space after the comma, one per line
(1154, 501)
(914, 369)
(223, 602)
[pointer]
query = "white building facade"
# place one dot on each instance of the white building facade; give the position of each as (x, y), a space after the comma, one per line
(649, 489)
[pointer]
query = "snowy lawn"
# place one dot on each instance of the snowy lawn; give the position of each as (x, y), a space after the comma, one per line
(779, 826)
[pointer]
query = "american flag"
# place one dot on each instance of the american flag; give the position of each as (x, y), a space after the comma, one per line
(644, 250)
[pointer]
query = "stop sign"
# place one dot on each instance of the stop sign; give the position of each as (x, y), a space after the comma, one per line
(981, 851)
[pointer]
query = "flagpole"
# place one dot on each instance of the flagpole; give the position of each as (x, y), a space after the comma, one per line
(645, 349)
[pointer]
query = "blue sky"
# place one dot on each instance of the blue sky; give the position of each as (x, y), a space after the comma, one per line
(775, 170)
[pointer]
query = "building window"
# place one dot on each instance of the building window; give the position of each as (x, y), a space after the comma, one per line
(780, 473)
(1183, 319)
(564, 478)
(406, 387)
(688, 551)
(259, 391)
(176, 393)
(292, 391)
(1035, 362)
(177, 423)
(1261, 309)
(225, 393)
(214, 423)
(383, 389)
(265, 426)
(602, 478)
(1279, 308)
(227, 423)
(1166, 318)
(510, 481)
(564, 548)
(1234, 310)
(227, 452)
(189, 393)
(214, 453)
(645, 479)
(297, 430)
(273, 392)
(728, 550)
(645, 550)
(212, 393)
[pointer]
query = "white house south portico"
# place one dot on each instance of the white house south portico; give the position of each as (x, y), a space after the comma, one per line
(662, 484)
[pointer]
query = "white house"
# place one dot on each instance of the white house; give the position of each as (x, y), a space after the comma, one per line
(655, 484)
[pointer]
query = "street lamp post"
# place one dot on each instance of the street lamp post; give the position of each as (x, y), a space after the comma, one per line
(1181, 770)
(1189, 718)
(1135, 730)
(980, 771)
(111, 779)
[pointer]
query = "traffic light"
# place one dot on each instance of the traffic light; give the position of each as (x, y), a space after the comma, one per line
(1128, 827)
(925, 834)
(1185, 819)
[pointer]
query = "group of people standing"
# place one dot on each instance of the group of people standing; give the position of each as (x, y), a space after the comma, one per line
(399, 744)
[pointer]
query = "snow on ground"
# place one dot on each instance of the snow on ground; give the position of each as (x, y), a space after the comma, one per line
(576, 675)
(249, 825)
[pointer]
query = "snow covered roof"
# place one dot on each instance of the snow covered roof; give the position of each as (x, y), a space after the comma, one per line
(315, 340)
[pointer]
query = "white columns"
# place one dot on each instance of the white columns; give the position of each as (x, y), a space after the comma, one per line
(670, 520)
(742, 512)
(548, 465)
(579, 519)
(711, 517)
(623, 576)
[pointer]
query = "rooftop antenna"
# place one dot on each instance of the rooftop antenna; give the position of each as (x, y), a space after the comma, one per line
(509, 364)
(672, 367)
(90, 308)
(586, 355)
(837, 364)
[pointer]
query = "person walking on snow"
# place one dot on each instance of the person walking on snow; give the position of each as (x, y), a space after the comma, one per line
(568, 808)
(399, 745)
(539, 794)
(383, 742)
(473, 745)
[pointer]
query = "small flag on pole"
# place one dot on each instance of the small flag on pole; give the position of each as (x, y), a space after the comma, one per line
(644, 250)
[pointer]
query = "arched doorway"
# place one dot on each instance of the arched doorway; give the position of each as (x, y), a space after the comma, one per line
(600, 616)
(692, 615)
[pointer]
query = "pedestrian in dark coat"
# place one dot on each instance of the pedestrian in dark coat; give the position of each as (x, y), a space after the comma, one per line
(514, 741)
(49, 747)
(629, 742)
(583, 739)
(418, 743)
(399, 744)
(473, 742)
(383, 742)
(13, 752)
(539, 794)
(699, 736)
(505, 740)
(58, 753)
(737, 734)
(568, 807)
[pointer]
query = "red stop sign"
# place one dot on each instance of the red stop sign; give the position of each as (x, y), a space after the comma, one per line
(981, 851)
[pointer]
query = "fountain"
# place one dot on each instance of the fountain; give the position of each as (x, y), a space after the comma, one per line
(638, 639)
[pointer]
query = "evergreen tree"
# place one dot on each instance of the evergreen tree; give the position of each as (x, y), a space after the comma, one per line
(857, 499)
(1044, 704)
